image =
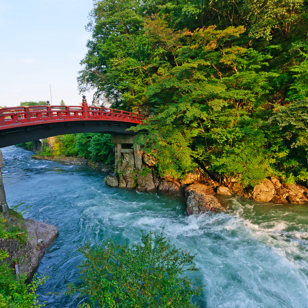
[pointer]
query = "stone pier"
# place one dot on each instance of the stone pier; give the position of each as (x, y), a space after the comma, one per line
(3, 204)
(38, 146)
(125, 144)
(130, 171)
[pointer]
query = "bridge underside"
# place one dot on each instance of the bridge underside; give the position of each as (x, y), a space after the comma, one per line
(17, 135)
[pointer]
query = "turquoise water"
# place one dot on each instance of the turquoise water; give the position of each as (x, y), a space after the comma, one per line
(255, 255)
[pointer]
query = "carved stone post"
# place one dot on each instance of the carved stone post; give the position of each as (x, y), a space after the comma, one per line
(138, 157)
(3, 205)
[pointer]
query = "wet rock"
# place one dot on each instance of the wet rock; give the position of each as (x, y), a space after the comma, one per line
(111, 181)
(150, 160)
(222, 190)
(200, 199)
(145, 181)
(264, 192)
(173, 188)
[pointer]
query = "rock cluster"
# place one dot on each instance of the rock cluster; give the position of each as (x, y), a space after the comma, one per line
(273, 191)
(199, 188)
(268, 190)
(200, 199)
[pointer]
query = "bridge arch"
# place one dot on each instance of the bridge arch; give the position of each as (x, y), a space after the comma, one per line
(23, 124)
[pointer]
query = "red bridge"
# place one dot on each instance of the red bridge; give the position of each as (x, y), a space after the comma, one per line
(23, 124)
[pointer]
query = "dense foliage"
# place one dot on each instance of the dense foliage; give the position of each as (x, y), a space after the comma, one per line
(31, 103)
(225, 81)
(93, 146)
(149, 274)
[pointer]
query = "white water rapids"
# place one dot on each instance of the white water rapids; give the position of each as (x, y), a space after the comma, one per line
(255, 255)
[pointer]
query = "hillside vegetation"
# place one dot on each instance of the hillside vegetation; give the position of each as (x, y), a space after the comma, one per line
(225, 81)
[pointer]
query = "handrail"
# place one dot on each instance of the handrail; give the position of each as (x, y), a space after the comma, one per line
(23, 116)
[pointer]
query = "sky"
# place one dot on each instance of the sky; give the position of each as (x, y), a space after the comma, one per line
(42, 44)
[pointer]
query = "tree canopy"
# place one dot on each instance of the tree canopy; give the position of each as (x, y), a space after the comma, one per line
(225, 81)
(31, 103)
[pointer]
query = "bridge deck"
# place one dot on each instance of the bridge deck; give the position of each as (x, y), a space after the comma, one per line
(22, 124)
(27, 116)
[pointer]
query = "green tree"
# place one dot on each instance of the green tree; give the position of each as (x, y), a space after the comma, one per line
(31, 103)
(101, 149)
(211, 72)
(62, 102)
(291, 123)
(149, 274)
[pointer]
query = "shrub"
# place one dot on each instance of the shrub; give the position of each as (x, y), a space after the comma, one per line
(149, 274)
(26, 145)
(14, 292)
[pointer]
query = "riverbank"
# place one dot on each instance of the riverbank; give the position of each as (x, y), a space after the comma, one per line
(25, 245)
(79, 161)
(198, 187)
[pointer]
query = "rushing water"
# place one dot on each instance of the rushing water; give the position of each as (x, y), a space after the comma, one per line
(255, 255)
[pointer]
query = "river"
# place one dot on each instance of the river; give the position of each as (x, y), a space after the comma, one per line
(255, 255)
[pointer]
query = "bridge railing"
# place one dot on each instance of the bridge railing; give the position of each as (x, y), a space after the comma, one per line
(22, 116)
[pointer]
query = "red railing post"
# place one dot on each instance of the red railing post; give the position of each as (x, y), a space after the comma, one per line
(85, 107)
(49, 112)
(27, 116)
(68, 113)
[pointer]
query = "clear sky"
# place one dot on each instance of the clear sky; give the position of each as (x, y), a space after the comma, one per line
(42, 44)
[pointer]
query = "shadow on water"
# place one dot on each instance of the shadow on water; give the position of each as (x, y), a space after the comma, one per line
(256, 255)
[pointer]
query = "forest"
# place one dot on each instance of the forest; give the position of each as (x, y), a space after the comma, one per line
(223, 81)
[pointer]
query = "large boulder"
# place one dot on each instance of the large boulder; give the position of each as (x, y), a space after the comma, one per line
(111, 181)
(200, 199)
(264, 191)
(173, 188)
